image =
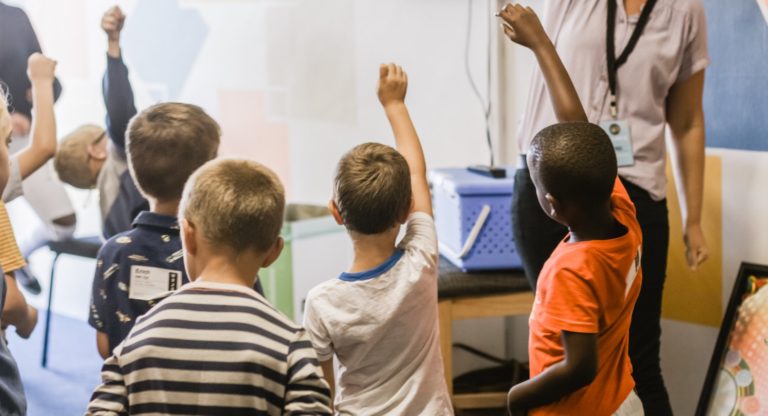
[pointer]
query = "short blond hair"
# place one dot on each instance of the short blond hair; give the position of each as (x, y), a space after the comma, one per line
(71, 160)
(372, 188)
(234, 202)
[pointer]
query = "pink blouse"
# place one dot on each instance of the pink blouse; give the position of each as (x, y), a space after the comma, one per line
(672, 48)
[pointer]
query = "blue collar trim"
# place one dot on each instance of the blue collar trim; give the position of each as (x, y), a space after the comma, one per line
(376, 271)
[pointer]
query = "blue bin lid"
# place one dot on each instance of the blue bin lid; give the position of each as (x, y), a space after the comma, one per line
(464, 182)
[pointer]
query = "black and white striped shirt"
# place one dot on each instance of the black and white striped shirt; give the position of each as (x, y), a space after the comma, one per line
(213, 349)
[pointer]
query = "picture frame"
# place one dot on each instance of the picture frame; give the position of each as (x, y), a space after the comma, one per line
(729, 383)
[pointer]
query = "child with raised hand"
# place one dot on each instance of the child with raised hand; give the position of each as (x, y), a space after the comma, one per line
(40, 69)
(92, 157)
(42, 147)
(216, 346)
(379, 318)
(12, 400)
(579, 325)
(30, 175)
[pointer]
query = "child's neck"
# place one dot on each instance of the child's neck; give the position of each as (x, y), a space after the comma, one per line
(235, 270)
(371, 250)
(596, 224)
(169, 208)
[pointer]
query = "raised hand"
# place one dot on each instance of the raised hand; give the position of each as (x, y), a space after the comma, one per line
(112, 23)
(393, 84)
(522, 26)
(41, 68)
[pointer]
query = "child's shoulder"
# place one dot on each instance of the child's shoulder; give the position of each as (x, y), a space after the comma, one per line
(329, 289)
(118, 244)
(227, 298)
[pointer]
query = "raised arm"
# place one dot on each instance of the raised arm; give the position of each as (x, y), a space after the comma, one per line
(523, 27)
(393, 84)
(42, 146)
(118, 94)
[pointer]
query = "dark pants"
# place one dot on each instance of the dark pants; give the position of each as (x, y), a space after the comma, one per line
(536, 236)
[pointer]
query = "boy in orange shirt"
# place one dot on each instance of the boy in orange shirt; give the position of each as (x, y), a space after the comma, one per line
(579, 325)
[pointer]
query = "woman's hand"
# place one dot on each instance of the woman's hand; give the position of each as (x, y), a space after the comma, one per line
(696, 250)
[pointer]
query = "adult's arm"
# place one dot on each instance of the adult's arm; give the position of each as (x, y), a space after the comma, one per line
(685, 116)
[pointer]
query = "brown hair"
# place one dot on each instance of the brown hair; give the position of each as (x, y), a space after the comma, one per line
(372, 188)
(71, 159)
(234, 202)
(166, 143)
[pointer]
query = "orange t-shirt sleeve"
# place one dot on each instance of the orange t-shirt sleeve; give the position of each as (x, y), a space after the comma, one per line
(11, 258)
(572, 305)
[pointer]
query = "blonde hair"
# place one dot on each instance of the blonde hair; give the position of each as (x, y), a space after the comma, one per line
(236, 203)
(3, 100)
(372, 188)
(71, 160)
(166, 143)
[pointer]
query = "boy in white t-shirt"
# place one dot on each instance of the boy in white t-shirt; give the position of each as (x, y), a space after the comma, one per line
(380, 317)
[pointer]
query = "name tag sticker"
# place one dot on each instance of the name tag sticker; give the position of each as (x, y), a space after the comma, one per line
(618, 131)
(149, 283)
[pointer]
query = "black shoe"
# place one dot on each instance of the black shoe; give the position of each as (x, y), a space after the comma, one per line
(28, 280)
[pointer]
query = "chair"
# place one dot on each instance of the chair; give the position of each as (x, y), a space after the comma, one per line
(477, 295)
(82, 247)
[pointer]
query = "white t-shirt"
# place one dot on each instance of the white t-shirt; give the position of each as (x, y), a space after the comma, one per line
(382, 325)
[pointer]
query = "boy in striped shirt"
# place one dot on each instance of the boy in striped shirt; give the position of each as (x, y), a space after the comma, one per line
(216, 347)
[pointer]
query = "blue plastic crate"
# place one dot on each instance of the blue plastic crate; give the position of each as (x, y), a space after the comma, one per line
(461, 201)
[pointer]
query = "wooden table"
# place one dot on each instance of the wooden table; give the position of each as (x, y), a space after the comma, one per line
(464, 295)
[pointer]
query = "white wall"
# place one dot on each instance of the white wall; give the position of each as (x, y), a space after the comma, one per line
(292, 83)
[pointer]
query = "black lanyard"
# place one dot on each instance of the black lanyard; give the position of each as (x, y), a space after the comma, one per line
(615, 63)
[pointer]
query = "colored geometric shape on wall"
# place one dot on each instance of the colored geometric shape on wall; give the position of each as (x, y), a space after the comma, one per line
(696, 297)
(246, 132)
(735, 99)
(162, 41)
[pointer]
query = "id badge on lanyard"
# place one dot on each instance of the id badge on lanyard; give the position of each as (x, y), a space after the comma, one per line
(618, 129)
(619, 133)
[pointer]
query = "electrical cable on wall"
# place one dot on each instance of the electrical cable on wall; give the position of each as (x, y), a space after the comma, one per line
(485, 103)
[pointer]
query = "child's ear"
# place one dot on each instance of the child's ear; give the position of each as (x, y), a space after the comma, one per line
(274, 252)
(188, 236)
(335, 212)
(97, 152)
(555, 208)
